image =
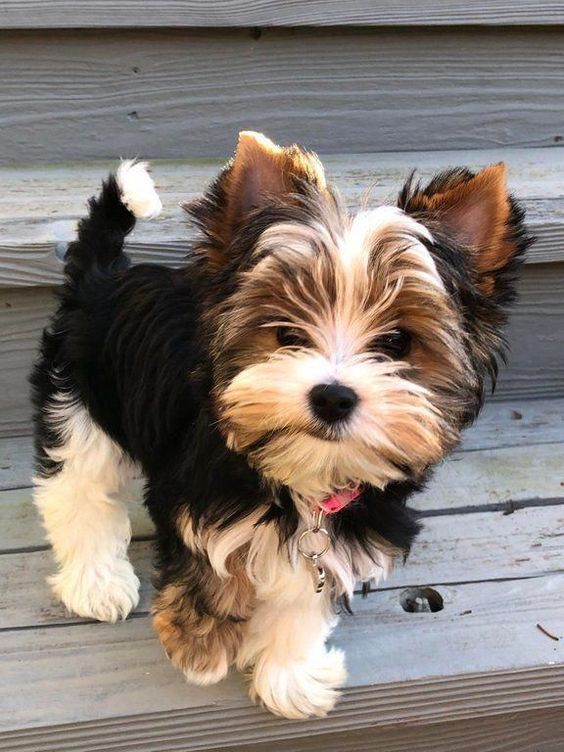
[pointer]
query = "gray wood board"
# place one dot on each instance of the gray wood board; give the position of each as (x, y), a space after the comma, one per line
(174, 93)
(452, 549)
(481, 663)
(536, 337)
(39, 206)
(514, 423)
(537, 731)
(522, 475)
(531, 731)
(23, 314)
(68, 14)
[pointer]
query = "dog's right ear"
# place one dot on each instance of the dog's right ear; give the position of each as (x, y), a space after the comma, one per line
(260, 173)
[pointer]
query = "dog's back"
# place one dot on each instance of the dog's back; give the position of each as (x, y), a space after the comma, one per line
(122, 341)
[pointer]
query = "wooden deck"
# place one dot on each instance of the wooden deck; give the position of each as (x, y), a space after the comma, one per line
(492, 548)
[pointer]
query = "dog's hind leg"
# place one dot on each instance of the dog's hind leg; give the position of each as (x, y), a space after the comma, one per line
(76, 491)
(200, 617)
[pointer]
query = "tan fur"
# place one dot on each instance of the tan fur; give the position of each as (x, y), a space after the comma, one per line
(260, 171)
(195, 643)
(352, 284)
(476, 213)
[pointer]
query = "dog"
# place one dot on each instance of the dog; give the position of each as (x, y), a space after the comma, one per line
(284, 393)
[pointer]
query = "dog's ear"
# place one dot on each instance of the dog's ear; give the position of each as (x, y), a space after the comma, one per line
(473, 212)
(260, 173)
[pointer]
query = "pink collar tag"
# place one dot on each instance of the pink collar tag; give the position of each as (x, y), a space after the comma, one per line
(340, 500)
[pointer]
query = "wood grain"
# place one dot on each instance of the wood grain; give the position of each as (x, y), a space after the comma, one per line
(175, 93)
(65, 14)
(452, 549)
(23, 314)
(57, 668)
(538, 731)
(39, 206)
(521, 474)
(536, 336)
(501, 425)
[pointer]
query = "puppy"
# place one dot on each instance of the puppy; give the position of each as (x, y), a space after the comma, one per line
(283, 393)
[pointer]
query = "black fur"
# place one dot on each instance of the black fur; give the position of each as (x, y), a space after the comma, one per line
(134, 345)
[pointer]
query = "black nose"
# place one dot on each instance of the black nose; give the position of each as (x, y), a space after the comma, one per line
(332, 402)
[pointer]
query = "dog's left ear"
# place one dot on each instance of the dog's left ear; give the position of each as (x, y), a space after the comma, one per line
(260, 173)
(475, 213)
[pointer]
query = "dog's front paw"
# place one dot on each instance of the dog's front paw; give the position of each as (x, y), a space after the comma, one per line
(299, 690)
(104, 593)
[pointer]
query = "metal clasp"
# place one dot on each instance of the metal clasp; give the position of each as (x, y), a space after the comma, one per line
(313, 555)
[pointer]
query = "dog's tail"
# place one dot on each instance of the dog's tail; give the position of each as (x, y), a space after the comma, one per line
(127, 195)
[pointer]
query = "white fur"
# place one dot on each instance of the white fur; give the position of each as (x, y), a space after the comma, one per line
(293, 673)
(383, 224)
(138, 190)
(86, 524)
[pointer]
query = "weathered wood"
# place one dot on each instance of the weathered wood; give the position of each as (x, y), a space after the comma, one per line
(177, 92)
(23, 314)
(500, 425)
(39, 206)
(16, 462)
(496, 476)
(66, 14)
(55, 670)
(532, 731)
(492, 477)
(513, 423)
(536, 336)
(538, 731)
(453, 548)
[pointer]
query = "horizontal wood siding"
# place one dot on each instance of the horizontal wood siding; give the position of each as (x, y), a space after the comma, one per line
(186, 93)
(39, 206)
(536, 336)
(67, 14)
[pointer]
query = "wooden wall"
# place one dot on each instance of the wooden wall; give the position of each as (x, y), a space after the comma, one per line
(368, 81)
(184, 93)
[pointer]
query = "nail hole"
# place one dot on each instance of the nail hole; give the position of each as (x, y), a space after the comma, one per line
(421, 600)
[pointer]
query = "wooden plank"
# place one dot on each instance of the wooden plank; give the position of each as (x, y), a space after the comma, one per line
(537, 731)
(486, 546)
(521, 475)
(536, 336)
(65, 14)
(531, 731)
(496, 476)
(55, 670)
(39, 205)
(23, 314)
(500, 425)
(16, 462)
(513, 423)
(177, 92)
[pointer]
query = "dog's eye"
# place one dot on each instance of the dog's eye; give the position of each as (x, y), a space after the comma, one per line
(395, 344)
(289, 336)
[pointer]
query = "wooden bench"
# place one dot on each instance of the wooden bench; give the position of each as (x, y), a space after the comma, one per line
(80, 83)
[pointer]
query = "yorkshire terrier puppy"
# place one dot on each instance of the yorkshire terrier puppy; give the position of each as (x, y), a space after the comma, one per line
(283, 393)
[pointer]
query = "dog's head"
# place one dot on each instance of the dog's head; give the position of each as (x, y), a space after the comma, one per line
(350, 349)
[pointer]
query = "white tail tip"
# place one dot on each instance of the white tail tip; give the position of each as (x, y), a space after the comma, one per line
(138, 190)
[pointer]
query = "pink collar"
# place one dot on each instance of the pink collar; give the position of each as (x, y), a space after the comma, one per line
(340, 500)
